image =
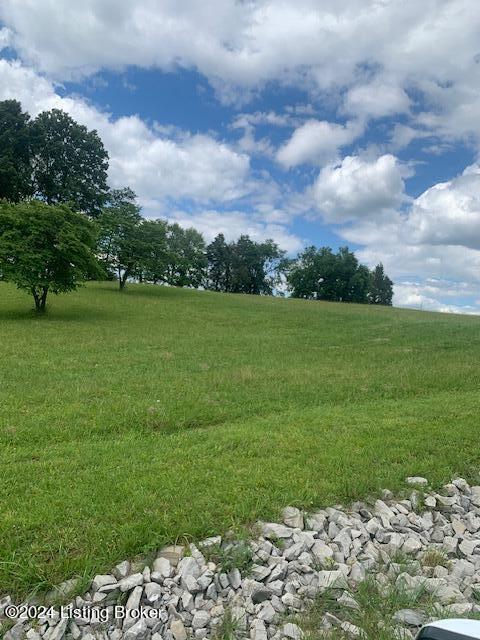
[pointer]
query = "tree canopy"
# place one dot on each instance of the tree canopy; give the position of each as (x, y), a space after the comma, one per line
(219, 258)
(69, 163)
(244, 266)
(156, 253)
(45, 248)
(381, 287)
(15, 152)
(321, 274)
(120, 240)
(52, 158)
(186, 259)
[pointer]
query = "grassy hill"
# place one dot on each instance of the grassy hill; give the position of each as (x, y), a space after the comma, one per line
(131, 419)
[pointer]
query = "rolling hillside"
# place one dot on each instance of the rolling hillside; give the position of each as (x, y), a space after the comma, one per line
(131, 419)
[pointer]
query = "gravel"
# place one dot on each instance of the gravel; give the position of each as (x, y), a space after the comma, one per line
(184, 595)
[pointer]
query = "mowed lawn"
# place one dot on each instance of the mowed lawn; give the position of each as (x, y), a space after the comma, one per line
(128, 420)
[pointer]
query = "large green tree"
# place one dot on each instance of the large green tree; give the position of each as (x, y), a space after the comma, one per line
(219, 258)
(381, 287)
(70, 163)
(321, 274)
(254, 266)
(121, 244)
(312, 274)
(244, 266)
(15, 152)
(155, 253)
(352, 278)
(45, 248)
(186, 259)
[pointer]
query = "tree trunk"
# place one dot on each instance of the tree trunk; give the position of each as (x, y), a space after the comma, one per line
(36, 298)
(43, 299)
(123, 280)
(40, 299)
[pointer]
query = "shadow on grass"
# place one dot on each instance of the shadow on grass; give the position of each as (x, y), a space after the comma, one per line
(56, 314)
(148, 290)
(74, 311)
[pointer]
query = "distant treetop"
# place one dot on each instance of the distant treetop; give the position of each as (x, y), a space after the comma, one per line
(53, 158)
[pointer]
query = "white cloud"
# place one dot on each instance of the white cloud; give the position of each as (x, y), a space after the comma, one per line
(262, 118)
(438, 236)
(449, 212)
(254, 41)
(435, 242)
(156, 167)
(358, 188)
(317, 142)
(195, 167)
(402, 135)
(376, 99)
(444, 288)
(371, 52)
(403, 260)
(249, 143)
(397, 247)
(451, 108)
(427, 297)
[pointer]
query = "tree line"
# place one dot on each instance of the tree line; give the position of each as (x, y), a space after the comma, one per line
(61, 224)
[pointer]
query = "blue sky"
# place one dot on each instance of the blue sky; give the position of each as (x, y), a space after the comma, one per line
(329, 123)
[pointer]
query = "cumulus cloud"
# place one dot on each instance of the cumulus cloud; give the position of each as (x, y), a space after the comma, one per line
(428, 296)
(432, 249)
(358, 187)
(156, 167)
(376, 99)
(254, 41)
(196, 167)
(438, 235)
(449, 212)
(317, 142)
(371, 52)
(405, 260)
(249, 142)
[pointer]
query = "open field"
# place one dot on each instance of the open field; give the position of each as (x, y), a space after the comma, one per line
(131, 419)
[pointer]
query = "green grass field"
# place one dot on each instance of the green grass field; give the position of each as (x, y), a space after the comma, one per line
(131, 419)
